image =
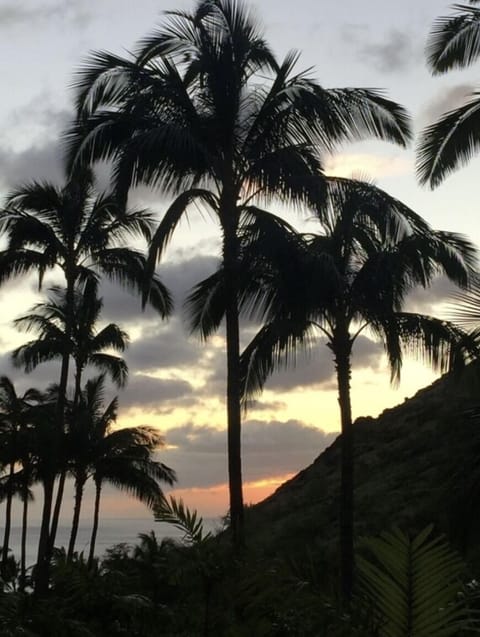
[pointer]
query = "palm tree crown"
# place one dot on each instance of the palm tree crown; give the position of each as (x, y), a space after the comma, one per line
(86, 344)
(77, 230)
(121, 457)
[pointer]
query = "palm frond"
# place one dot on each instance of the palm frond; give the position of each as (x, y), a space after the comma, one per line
(205, 305)
(275, 346)
(172, 217)
(33, 353)
(129, 268)
(454, 41)
(361, 112)
(448, 143)
(111, 336)
(173, 511)
(413, 585)
(465, 309)
(114, 366)
(440, 344)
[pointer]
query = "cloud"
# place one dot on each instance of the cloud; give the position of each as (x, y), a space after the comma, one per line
(268, 447)
(395, 53)
(363, 165)
(260, 405)
(447, 100)
(43, 376)
(179, 276)
(164, 347)
(16, 14)
(426, 301)
(147, 392)
(316, 369)
(38, 163)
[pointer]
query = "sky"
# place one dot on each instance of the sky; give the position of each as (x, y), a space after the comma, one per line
(176, 382)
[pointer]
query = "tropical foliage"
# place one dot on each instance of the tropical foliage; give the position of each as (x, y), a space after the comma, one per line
(414, 585)
(203, 112)
(452, 140)
(353, 276)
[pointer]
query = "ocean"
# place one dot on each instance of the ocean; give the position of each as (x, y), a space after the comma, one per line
(111, 531)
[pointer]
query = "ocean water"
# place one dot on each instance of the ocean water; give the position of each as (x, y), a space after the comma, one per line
(111, 531)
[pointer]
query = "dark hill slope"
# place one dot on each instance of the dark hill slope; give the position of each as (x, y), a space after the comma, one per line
(412, 466)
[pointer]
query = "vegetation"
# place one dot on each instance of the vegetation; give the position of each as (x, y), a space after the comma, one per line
(204, 112)
(451, 141)
(355, 275)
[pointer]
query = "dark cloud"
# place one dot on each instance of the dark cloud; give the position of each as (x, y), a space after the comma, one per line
(317, 368)
(269, 448)
(395, 53)
(179, 276)
(260, 405)
(152, 393)
(447, 100)
(17, 14)
(425, 301)
(37, 163)
(167, 346)
(43, 376)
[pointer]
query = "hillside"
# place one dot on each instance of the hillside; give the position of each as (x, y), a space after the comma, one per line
(414, 465)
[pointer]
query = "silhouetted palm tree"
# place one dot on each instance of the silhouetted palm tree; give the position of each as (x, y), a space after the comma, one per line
(454, 42)
(205, 112)
(354, 276)
(123, 457)
(84, 234)
(15, 419)
(85, 347)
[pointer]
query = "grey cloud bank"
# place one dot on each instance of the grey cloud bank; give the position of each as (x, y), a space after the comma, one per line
(269, 447)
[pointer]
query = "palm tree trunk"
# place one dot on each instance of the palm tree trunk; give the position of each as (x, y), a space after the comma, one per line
(342, 350)
(41, 583)
(234, 420)
(63, 475)
(96, 514)
(79, 484)
(8, 520)
(62, 399)
(23, 548)
(56, 511)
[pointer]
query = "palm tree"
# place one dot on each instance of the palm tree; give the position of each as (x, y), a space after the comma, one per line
(354, 276)
(15, 419)
(83, 234)
(85, 346)
(205, 112)
(454, 42)
(122, 457)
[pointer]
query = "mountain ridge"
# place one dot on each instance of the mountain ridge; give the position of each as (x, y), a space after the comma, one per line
(406, 460)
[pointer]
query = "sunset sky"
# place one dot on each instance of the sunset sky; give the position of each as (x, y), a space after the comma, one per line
(176, 382)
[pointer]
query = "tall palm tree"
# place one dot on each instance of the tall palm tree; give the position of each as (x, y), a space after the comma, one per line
(85, 346)
(205, 112)
(353, 276)
(122, 457)
(15, 412)
(84, 234)
(451, 141)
